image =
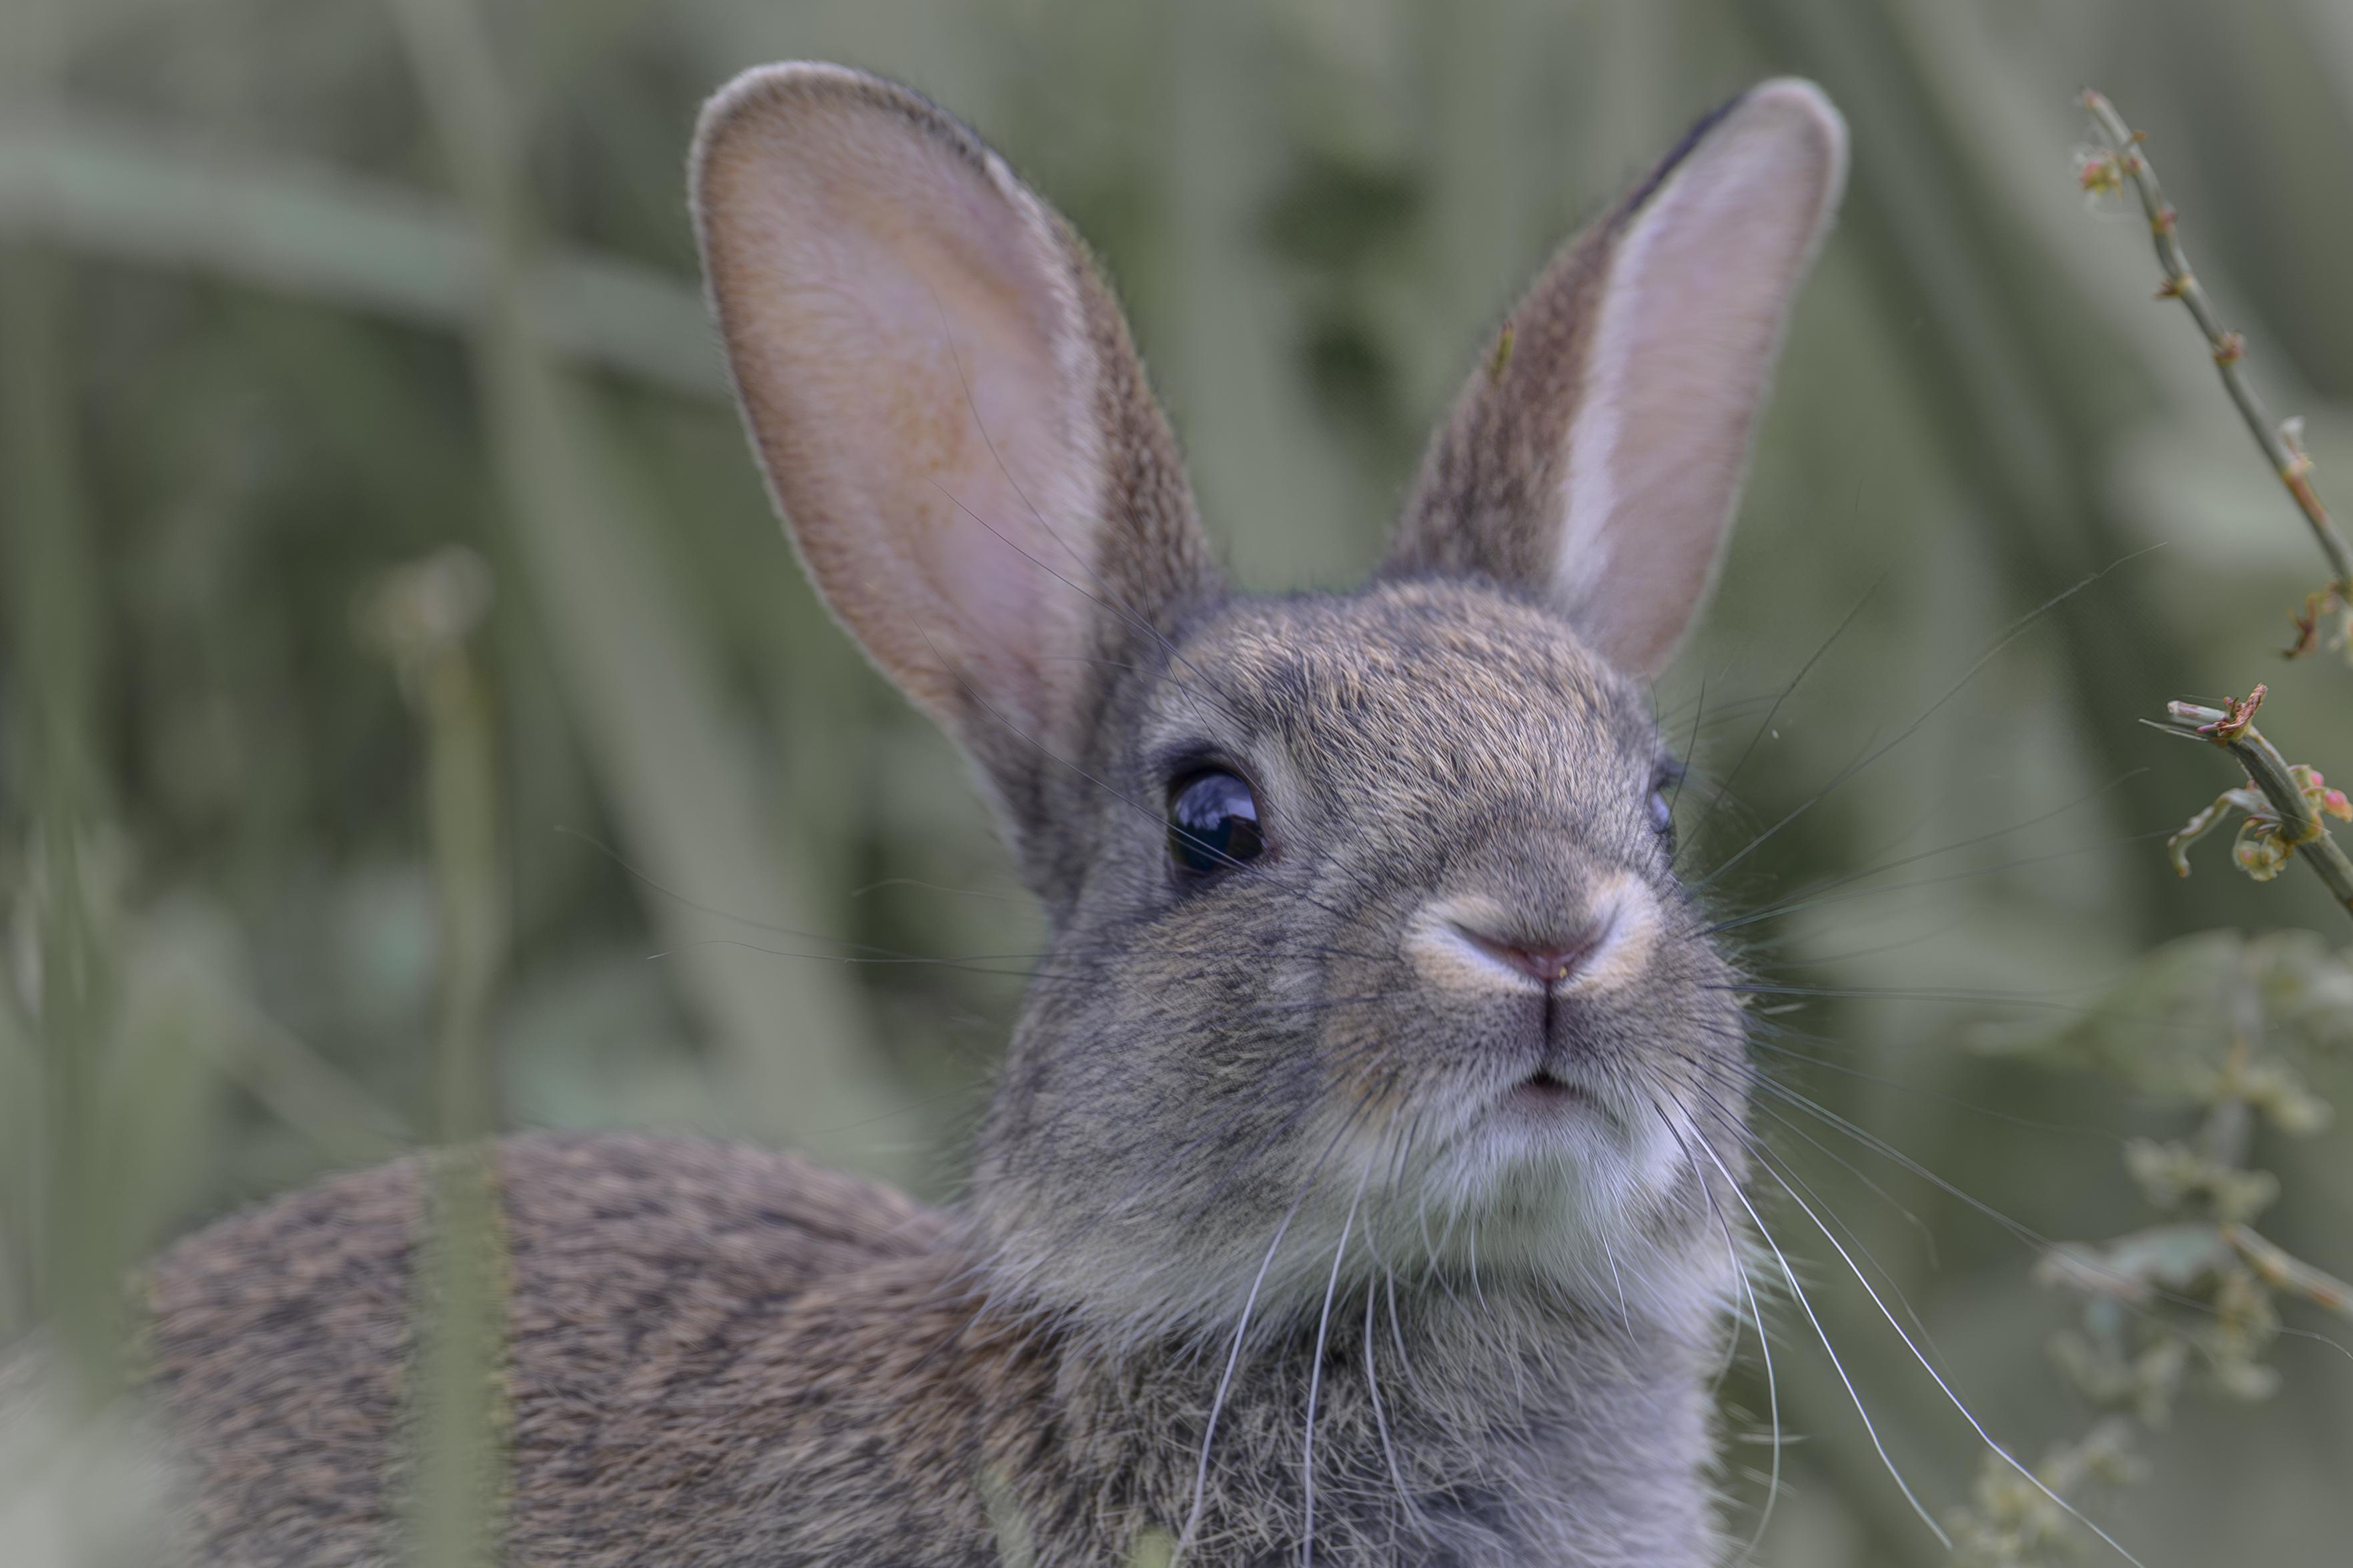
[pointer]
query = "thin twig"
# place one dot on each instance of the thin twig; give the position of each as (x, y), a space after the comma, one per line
(2284, 1271)
(420, 617)
(2300, 825)
(2125, 161)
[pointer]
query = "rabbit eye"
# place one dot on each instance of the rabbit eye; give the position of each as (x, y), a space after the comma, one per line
(1663, 800)
(1212, 825)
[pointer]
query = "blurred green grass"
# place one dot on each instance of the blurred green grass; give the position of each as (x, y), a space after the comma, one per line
(294, 292)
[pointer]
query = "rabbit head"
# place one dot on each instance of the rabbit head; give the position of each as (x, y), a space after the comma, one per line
(1368, 950)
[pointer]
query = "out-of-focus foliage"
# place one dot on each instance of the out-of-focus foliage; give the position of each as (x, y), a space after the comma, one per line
(2256, 1016)
(2227, 1027)
(292, 297)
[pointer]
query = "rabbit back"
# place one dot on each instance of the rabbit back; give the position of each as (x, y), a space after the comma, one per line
(680, 1314)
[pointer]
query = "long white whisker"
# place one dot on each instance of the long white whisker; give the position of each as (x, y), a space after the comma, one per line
(1406, 1504)
(1784, 1174)
(1764, 1345)
(1396, 1332)
(1798, 1291)
(1772, 1412)
(1609, 1252)
(1226, 1380)
(1445, 1234)
(1316, 1380)
(1393, 1185)
(1933, 1376)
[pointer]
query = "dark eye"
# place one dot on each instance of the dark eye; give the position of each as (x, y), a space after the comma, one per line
(1212, 825)
(1664, 784)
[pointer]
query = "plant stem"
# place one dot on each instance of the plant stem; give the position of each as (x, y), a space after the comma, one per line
(640, 678)
(420, 617)
(55, 643)
(2287, 460)
(2283, 1271)
(2300, 825)
(2268, 769)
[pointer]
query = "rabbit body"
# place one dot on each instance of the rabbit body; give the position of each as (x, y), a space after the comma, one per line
(720, 1355)
(1361, 1185)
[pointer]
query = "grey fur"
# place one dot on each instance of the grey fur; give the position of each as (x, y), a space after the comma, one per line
(1243, 1161)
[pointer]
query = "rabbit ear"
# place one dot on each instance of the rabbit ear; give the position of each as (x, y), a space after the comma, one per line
(946, 405)
(1597, 456)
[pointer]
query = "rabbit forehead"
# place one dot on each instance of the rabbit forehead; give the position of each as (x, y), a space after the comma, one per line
(1462, 686)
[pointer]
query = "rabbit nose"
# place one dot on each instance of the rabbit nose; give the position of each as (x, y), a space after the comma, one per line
(1471, 941)
(1548, 961)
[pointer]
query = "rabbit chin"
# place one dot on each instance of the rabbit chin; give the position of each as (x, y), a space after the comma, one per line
(1567, 1198)
(1574, 1200)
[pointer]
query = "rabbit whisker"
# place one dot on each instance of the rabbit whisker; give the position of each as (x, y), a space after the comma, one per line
(1406, 1507)
(1783, 1173)
(1234, 1354)
(1944, 1387)
(2086, 847)
(2017, 629)
(1400, 1161)
(1813, 897)
(1397, 1334)
(2025, 1234)
(1798, 1290)
(1683, 774)
(1767, 1026)
(1765, 725)
(1959, 996)
(1315, 1380)
(1928, 1236)
(1764, 1347)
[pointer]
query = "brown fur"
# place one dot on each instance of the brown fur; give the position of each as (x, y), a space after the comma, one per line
(1263, 1246)
(723, 1355)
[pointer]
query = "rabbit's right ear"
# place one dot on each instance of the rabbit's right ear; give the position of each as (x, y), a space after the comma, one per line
(948, 408)
(1596, 458)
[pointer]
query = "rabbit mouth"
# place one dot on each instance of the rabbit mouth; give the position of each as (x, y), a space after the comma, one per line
(1541, 1090)
(1553, 1101)
(1548, 1098)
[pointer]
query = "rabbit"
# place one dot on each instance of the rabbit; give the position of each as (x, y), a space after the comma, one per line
(1361, 1185)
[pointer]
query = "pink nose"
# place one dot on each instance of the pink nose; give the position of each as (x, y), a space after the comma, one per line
(1549, 963)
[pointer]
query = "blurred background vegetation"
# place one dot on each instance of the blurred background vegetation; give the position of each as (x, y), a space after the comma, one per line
(295, 294)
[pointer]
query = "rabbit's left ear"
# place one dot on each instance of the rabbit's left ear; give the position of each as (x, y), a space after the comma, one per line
(1595, 456)
(949, 413)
